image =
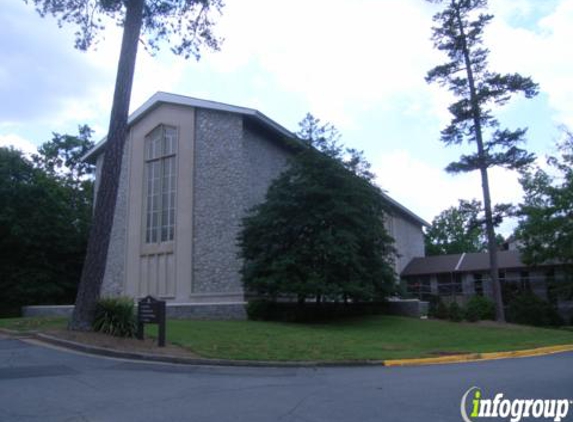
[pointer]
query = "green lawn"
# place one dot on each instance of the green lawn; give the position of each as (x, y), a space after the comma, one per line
(33, 323)
(375, 338)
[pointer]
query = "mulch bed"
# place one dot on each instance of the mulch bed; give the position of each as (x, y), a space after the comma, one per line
(147, 345)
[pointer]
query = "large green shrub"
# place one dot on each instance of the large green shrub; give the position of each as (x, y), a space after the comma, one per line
(528, 308)
(455, 312)
(439, 309)
(319, 234)
(480, 308)
(115, 316)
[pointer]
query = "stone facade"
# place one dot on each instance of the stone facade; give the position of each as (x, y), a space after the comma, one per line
(219, 179)
(234, 166)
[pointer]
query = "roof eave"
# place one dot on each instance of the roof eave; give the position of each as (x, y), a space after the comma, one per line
(166, 98)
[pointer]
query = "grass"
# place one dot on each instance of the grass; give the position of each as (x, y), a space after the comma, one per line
(367, 338)
(33, 323)
(370, 338)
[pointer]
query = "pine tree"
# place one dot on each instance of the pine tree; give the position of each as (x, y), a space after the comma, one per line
(458, 32)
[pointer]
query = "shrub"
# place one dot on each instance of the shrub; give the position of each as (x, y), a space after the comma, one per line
(258, 310)
(115, 316)
(441, 310)
(455, 312)
(529, 309)
(479, 308)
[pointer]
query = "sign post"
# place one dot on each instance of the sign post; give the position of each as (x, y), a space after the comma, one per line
(151, 311)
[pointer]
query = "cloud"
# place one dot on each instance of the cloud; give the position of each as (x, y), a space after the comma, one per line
(40, 72)
(538, 49)
(341, 56)
(428, 190)
(19, 143)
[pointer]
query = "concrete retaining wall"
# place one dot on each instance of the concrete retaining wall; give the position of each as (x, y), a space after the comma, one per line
(408, 307)
(211, 311)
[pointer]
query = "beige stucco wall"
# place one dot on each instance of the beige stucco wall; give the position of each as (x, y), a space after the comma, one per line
(162, 270)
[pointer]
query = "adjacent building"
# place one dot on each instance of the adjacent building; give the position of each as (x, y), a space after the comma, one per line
(458, 277)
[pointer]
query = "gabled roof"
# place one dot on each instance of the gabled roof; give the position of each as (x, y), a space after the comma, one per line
(166, 98)
(249, 113)
(463, 263)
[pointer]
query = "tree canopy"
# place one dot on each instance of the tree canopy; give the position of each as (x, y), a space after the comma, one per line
(319, 233)
(456, 230)
(44, 222)
(545, 228)
(186, 25)
(458, 32)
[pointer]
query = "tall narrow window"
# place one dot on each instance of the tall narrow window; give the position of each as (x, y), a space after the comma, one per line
(160, 172)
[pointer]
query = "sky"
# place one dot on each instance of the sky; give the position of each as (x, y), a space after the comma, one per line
(358, 64)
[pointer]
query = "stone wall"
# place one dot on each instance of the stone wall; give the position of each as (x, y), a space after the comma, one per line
(265, 159)
(220, 178)
(234, 165)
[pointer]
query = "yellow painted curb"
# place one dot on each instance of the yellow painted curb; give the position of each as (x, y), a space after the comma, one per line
(474, 357)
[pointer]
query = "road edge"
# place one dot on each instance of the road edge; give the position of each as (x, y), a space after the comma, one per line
(450, 359)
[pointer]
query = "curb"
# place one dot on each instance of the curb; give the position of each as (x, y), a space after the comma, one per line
(477, 357)
(149, 357)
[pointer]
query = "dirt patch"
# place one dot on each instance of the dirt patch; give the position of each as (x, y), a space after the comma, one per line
(122, 344)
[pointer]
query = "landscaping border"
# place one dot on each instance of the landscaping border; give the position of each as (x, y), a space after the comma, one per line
(149, 357)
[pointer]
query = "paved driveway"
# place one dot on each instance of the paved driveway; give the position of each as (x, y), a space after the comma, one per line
(44, 384)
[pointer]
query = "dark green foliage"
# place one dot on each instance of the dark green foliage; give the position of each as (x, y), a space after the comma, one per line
(61, 157)
(116, 317)
(460, 229)
(546, 216)
(529, 309)
(455, 312)
(442, 310)
(479, 308)
(267, 310)
(44, 222)
(319, 234)
(258, 309)
(456, 230)
(434, 308)
(185, 24)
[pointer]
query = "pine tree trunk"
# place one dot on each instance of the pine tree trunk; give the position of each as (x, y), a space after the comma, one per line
(490, 230)
(96, 256)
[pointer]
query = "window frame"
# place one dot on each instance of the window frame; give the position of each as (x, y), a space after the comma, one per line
(160, 156)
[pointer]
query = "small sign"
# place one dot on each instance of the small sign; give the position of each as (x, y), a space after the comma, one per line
(151, 311)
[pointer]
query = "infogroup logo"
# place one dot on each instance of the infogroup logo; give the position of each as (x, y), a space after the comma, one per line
(516, 409)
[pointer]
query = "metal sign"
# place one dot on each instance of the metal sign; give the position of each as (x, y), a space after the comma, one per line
(151, 311)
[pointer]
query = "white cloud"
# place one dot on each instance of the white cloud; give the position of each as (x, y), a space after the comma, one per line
(18, 142)
(539, 51)
(342, 56)
(428, 190)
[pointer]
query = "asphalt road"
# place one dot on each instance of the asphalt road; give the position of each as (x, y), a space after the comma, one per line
(45, 384)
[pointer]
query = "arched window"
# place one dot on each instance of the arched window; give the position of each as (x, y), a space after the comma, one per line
(160, 177)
